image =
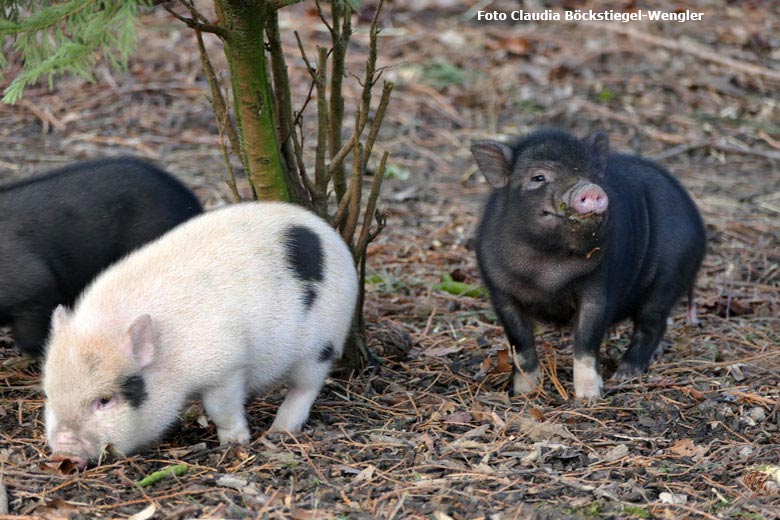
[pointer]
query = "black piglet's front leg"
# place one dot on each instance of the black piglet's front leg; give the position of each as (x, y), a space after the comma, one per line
(591, 327)
(519, 330)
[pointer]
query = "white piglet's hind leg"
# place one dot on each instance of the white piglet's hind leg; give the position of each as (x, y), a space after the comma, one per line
(306, 382)
(224, 405)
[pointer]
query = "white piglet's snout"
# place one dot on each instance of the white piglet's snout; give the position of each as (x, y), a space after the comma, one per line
(237, 300)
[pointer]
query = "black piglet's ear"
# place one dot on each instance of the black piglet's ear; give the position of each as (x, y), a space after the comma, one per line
(494, 160)
(597, 145)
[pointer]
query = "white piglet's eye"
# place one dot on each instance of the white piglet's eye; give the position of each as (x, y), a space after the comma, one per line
(104, 401)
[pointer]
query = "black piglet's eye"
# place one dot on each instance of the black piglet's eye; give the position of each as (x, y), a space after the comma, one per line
(538, 178)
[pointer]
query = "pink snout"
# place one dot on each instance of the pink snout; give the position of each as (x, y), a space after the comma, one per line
(80, 463)
(589, 198)
(67, 446)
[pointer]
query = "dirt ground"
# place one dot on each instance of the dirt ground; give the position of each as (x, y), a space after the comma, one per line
(431, 432)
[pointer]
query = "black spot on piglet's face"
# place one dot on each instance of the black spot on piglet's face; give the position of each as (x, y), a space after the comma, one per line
(304, 253)
(327, 353)
(133, 390)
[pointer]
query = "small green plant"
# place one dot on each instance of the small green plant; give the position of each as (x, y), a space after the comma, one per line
(157, 476)
(441, 74)
(459, 288)
(593, 509)
(639, 512)
(394, 171)
(385, 281)
(606, 95)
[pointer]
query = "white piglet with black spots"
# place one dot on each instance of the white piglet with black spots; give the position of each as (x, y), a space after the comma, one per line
(238, 300)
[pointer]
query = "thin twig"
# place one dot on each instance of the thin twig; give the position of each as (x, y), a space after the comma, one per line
(199, 26)
(321, 174)
(221, 110)
(348, 233)
(379, 116)
(365, 232)
(278, 4)
(285, 121)
(340, 35)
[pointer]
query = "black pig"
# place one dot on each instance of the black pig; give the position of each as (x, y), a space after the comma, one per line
(60, 229)
(573, 233)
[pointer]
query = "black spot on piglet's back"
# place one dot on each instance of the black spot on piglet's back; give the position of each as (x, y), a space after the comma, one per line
(133, 389)
(309, 296)
(304, 252)
(306, 259)
(327, 352)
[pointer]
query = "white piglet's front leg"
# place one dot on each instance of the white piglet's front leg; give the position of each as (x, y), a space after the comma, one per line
(224, 405)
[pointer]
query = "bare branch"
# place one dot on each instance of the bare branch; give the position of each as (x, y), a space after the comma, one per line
(312, 70)
(340, 35)
(221, 110)
(322, 16)
(199, 26)
(231, 178)
(336, 161)
(285, 122)
(321, 176)
(278, 4)
(338, 218)
(365, 232)
(348, 233)
(369, 80)
(302, 166)
(194, 11)
(378, 118)
(299, 114)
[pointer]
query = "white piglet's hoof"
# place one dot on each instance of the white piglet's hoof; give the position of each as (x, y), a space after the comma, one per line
(235, 435)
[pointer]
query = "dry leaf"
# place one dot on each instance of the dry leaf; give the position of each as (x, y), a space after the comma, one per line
(18, 363)
(465, 444)
(56, 509)
(442, 351)
(59, 466)
(536, 414)
(616, 452)
(479, 431)
(232, 482)
(538, 431)
(488, 415)
(671, 498)
(144, 514)
(686, 448)
(458, 418)
(516, 45)
(305, 514)
(367, 475)
(503, 364)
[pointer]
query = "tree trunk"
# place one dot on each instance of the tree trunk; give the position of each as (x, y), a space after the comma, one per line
(245, 22)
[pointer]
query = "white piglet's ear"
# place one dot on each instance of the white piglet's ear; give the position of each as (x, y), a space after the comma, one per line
(140, 340)
(58, 318)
